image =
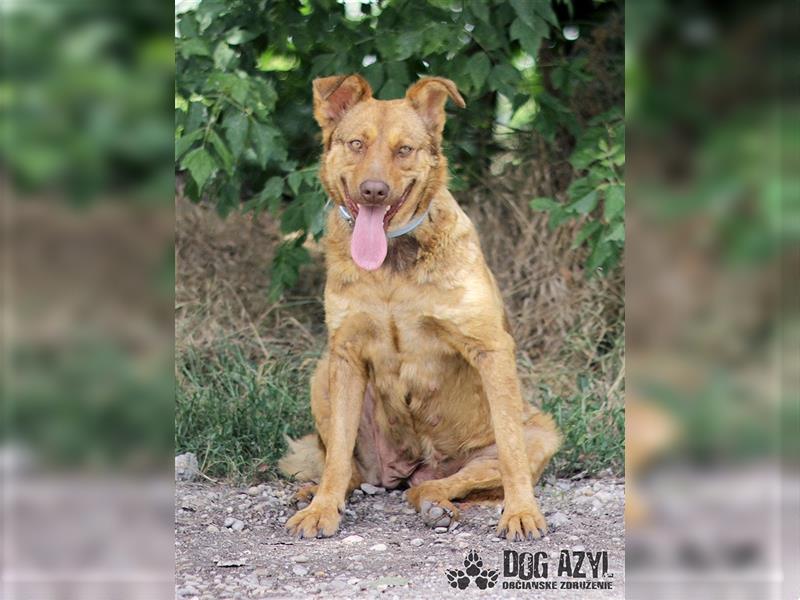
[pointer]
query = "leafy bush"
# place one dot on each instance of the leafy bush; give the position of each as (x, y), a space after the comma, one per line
(244, 128)
(598, 160)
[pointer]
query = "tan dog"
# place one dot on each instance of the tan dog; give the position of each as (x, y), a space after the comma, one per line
(419, 383)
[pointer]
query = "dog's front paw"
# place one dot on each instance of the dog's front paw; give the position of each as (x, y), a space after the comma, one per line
(319, 519)
(518, 524)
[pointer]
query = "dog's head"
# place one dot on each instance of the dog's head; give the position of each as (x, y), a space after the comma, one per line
(383, 159)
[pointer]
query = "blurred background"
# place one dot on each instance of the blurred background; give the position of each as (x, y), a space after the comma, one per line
(89, 127)
(86, 100)
(713, 509)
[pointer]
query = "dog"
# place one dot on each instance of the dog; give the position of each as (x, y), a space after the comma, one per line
(418, 386)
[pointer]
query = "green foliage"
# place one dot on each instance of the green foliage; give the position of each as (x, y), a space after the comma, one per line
(85, 96)
(245, 135)
(235, 414)
(244, 128)
(593, 429)
(597, 192)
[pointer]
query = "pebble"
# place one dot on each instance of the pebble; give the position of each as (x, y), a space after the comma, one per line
(300, 570)
(353, 539)
(229, 521)
(300, 558)
(558, 519)
(578, 548)
(253, 491)
(188, 591)
(212, 529)
(417, 542)
(237, 525)
(186, 467)
(440, 529)
(371, 490)
(378, 548)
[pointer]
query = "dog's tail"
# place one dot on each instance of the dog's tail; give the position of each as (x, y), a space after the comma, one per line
(304, 459)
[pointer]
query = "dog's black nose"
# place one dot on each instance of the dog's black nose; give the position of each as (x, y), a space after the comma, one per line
(374, 191)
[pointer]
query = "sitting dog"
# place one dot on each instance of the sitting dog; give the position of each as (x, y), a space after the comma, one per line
(418, 386)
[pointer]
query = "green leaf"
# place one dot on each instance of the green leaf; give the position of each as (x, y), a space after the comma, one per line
(544, 9)
(293, 217)
(393, 47)
(236, 127)
(557, 216)
(314, 213)
(201, 166)
(392, 89)
(480, 8)
(617, 233)
(588, 230)
(504, 78)
(240, 36)
(271, 195)
(182, 144)
(289, 257)
(529, 38)
(374, 75)
(586, 204)
(193, 47)
(222, 151)
(544, 204)
(524, 10)
(223, 55)
(479, 67)
(295, 180)
(601, 252)
(263, 139)
(615, 202)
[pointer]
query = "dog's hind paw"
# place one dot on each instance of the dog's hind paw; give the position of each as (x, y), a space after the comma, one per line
(303, 497)
(438, 513)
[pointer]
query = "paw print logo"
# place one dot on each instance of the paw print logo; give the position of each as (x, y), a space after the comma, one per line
(457, 578)
(473, 572)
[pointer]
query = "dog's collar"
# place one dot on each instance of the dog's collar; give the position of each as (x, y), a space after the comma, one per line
(407, 228)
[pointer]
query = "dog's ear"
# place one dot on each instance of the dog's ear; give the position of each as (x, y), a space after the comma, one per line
(334, 96)
(428, 96)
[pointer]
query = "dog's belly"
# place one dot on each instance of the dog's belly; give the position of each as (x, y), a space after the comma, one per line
(423, 415)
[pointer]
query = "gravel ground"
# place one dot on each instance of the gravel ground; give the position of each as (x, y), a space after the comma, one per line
(230, 543)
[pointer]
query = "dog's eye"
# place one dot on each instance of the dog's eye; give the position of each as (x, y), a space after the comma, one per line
(356, 145)
(404, 150)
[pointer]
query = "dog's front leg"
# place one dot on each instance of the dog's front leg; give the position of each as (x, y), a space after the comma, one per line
(521, 516)
(347, 384)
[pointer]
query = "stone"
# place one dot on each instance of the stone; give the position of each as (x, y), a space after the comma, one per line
(557, 519)
(371, 490)
(187, 467)
(353, 539)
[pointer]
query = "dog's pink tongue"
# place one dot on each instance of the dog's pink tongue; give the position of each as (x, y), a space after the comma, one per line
(368, 245)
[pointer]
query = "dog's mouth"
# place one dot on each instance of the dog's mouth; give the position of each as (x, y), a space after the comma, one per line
(368, 244)
(390, 209)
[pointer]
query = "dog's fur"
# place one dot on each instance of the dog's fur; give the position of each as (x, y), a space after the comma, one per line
(419, 385)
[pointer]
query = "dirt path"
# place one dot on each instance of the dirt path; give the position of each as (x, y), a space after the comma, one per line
(230, 543)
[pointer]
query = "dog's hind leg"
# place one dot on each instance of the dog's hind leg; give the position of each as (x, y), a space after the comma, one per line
(432, 498)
